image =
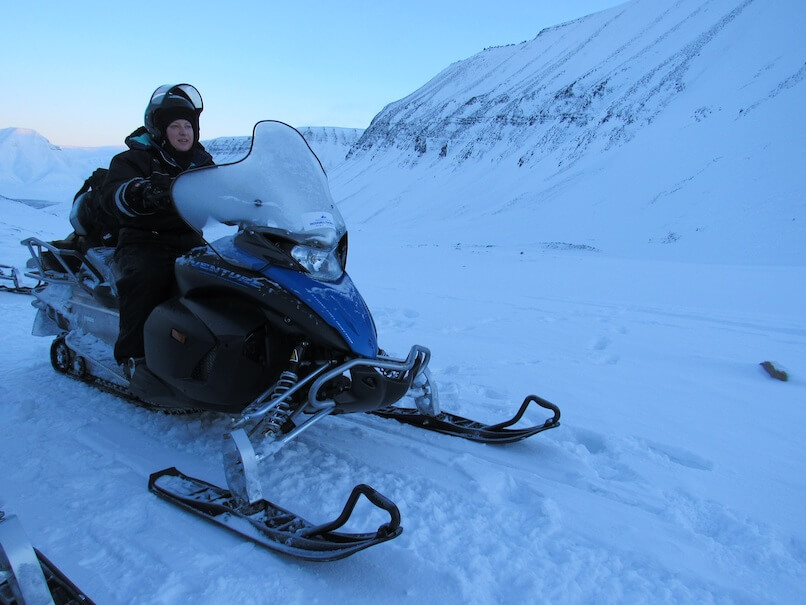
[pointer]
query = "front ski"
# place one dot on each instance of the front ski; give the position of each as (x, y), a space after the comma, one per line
(274, 527)
(457, 426)
(28, 576)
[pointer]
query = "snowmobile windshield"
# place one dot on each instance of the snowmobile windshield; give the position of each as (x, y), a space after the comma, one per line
(279, 189)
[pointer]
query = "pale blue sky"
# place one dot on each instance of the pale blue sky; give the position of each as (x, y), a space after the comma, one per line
(81, 72)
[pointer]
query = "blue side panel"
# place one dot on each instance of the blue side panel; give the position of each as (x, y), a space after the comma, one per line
(338, 303)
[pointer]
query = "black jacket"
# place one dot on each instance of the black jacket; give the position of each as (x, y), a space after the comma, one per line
(143, 158)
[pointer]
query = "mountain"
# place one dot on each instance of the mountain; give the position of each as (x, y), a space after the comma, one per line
(330, 145)
(660, 128)
(30, 163)
(31, 167)
(687, 114)
(26, 156)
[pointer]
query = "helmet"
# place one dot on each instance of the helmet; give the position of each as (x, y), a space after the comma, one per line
(172, 100)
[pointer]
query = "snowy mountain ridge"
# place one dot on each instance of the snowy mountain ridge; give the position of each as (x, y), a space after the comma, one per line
(686, 114)
(595, 81)
(330, 144)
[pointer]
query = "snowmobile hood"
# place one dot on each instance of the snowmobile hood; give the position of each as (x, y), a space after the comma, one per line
(338, 303)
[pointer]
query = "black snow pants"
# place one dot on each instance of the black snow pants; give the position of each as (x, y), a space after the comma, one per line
(145, 266)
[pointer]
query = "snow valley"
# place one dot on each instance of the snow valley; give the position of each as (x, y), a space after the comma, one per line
(609, 215)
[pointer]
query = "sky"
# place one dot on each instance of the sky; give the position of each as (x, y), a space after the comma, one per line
(81, 73)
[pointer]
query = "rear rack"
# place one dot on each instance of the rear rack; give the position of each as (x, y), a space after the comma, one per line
(56, 265)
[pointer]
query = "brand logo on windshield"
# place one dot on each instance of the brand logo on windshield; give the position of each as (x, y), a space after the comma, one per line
(318, 220)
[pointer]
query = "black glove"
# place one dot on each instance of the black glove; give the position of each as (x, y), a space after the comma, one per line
(151, 194)
(161, 180)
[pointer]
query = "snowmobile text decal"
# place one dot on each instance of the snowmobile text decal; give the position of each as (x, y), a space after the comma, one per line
(228, 275)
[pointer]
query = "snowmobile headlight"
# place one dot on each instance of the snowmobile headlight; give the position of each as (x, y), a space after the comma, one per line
(321, 264)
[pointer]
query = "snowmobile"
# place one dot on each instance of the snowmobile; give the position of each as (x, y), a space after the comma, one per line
(28, 576)
(266, 326)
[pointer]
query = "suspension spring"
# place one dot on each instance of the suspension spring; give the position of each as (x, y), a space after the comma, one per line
(278, 416)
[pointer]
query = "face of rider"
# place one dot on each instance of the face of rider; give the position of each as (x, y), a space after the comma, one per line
(180, 135)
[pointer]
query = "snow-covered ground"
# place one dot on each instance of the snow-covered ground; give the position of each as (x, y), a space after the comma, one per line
(677, 474)
(636, 280)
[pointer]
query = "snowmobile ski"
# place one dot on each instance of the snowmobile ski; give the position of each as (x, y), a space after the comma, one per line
(19, 581)
(273, 527)
(63, 591)
(10, 274)
(457, 426)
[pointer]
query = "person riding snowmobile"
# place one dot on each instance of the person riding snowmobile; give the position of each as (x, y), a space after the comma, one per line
(136, 191)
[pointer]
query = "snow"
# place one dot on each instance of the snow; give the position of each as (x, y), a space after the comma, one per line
(676, 475)
(678, 471)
